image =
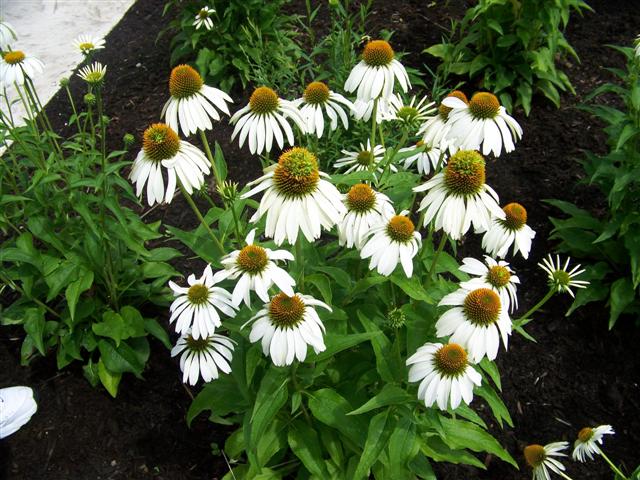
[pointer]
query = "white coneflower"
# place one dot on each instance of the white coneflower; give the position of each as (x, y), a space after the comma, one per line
(458, 196)
(477, 321)
(424, 156)
(203, 357)
(286, 326)
(435, 129)
(15, 66)
(363, 160)
(17, 406)
(7, 35)
(561, 279)
(492, 274)
(507, 231)
(195, 308)
(541, 460)
(256, 267)
(317, 97)
(411, 114)
(88, 43)
(192, 104)
(265, 118)
(394, 240)
(203, 18)
(637, 42)
(363, 109)
(93, 74)
(366, 208)
(445, 375)
(375, 74)
(482, 122)
(161, 147)
(587, 442)
(296, 198)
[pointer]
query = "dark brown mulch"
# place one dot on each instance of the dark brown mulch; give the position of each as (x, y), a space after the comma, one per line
(577, 374)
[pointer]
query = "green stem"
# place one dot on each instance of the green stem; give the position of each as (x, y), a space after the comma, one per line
(103, 127)
(236, 222)
(443, 240)
(194, 207)
(537, 306)
(33, 93)
(613, 467)
(297, 388)
(33, 125)
(75, 114)
(22, 292)
(374, 114)
(207, 149)
(392, 156)
(564, 475)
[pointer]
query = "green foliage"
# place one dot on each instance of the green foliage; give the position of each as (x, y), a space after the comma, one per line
(76, 257)
(251, 40)
(611, 241)
(511, 48)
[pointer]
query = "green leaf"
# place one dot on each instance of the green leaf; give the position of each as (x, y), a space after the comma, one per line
(75, 288)
(403, 444)
(271, 397)
(152, 326)
(221, 164)
(499, 409)
(34, 325)
(124, 358)
(462, 434)
(412, 287)
(622, 295)
(112, 326)
(491, 369)
(220, 396)
(380, 429)
(434, 448)
(305, 444)
(330, 408)
(388, 362)
(336, 343)
(109, 380)
(389, 395)
(322, 283)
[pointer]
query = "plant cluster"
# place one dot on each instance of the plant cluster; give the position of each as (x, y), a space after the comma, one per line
(75, 254)
(610, 240)
(511, 48)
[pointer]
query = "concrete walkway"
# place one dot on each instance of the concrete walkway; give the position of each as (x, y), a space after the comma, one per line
(46, 30)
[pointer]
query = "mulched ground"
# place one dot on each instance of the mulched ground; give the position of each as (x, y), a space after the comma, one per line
(577, 374)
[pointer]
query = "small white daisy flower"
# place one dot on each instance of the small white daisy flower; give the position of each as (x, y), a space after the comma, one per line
(445, 375)
(256, 267)
(7, 35)
(286, 326)
(88, 43)
(265, 118)
(507, 231)
(411, 114)
(161, 147)
(483, 121)
(93, 74)
(15, 66)
(317, 97)
(192, 104)
(435, 129)
(203, 18)
(195, 309)
(297, 198)
(393, 241)
(587, 443)
(477, 321)
(203, 357)
(17, 406)
(541, 460)
(366, 208)
(424, 156)
(495, 275)
(561, 278)
(375, 74)
(363, 160)
(458, 197)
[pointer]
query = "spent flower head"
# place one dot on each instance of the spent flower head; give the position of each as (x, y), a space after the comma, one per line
(586, 445)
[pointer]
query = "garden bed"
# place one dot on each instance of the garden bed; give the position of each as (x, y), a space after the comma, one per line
(577, 374)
